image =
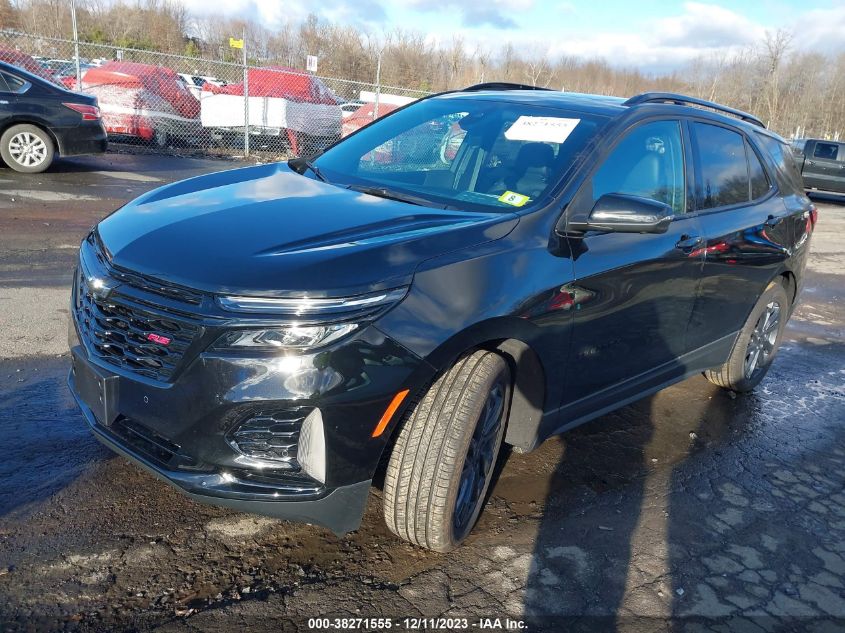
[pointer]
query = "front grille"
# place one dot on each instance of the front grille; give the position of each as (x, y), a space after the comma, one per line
(116, 330)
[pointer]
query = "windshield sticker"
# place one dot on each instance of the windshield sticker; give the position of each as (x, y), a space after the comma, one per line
(513, 199)
(543, 129)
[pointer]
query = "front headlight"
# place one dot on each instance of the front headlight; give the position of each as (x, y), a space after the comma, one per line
(314, 321)
(295, 337)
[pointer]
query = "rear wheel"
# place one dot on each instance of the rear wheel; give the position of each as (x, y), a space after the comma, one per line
(756, 344)
(442, 463)
(27, 149)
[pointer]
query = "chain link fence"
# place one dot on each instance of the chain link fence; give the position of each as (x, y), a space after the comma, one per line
(176, 104)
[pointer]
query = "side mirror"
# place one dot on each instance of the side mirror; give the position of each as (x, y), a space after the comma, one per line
(625, 214)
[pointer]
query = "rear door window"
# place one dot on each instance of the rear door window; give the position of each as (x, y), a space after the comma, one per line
(827, 151)
(722, 167)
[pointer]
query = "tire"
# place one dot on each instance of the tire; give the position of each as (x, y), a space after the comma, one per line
(761, 334)
(430, 499)
(161, 139)
(27, 149)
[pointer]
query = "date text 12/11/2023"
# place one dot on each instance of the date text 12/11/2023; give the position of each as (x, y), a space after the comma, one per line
(416, 624)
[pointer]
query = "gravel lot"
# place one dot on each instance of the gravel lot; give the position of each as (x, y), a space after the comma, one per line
(723, 511)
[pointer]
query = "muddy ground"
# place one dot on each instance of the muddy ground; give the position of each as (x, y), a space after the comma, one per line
(727, 512)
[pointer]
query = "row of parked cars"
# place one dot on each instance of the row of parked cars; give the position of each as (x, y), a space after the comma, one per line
(155, 104)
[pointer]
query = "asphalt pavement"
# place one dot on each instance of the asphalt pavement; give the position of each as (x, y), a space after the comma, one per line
(723, 512)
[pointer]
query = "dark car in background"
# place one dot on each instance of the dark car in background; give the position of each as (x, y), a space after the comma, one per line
(40, 120)
(265, 338)
(822, 164)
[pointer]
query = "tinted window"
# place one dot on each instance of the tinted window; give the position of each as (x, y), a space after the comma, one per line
(10, 83)
(787, 171)
(826, 150)
(723, 169)
(648, 162)
(759, 180)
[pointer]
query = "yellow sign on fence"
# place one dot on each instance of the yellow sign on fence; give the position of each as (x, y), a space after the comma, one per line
(233, 43)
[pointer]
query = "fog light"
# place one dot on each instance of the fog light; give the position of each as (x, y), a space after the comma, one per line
(268, 438)
(285, 440)
(312, 447)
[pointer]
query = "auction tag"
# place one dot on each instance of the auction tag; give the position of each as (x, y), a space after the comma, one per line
(543, 129)
(513, 199)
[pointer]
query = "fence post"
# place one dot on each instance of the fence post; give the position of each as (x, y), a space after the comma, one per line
(246, 98)
(75, 44)
(378, 85)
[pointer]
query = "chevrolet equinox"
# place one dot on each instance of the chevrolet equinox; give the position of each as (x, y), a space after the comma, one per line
(492, 265)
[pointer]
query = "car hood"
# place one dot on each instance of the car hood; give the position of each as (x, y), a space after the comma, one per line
(268, 230)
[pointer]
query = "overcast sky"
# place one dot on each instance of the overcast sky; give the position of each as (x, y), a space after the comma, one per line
(654, 35)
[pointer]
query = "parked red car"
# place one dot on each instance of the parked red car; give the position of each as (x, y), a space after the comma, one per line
(144, 101)
(22, 60)
(364, 115)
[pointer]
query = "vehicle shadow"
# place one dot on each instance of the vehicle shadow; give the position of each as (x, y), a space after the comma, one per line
(48, 445)
(752, 537)
(697, 506)
(582, 554)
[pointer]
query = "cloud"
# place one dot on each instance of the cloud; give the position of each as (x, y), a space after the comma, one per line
(821, 30)
(499, 14)
(272, 14)
(706, 26)
(668, 43)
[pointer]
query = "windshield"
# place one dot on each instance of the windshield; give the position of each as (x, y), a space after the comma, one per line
(463, 152)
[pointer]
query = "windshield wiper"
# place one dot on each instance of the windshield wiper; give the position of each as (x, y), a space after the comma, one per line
(390, 194)
(299, 165)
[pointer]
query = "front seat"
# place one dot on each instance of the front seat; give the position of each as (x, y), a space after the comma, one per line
(529, 174)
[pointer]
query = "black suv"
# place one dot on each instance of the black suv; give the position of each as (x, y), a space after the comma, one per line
(497, 264)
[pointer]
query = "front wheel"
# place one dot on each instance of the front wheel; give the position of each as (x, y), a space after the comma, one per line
(27, 149)
(756, 344)
(443, 460)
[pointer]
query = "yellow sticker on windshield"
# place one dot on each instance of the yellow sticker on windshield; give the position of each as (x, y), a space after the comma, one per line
(513, 199)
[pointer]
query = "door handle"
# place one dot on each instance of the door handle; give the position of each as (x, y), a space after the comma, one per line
(689, 242)
(773, 221)
(4, 103)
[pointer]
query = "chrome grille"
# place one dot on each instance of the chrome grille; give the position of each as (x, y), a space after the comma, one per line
(117, 332)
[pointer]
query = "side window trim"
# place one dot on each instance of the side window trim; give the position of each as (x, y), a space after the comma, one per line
(4, 87)
(690, 167)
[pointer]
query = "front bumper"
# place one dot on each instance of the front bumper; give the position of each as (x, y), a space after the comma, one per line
(181, 431)
(340, 509)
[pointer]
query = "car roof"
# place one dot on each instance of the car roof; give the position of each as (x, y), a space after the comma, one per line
(614, 107)
(26, 74)
(592, 104)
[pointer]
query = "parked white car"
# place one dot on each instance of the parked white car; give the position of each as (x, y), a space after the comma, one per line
(196, 82)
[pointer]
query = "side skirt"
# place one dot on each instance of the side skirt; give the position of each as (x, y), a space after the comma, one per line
(616, 396)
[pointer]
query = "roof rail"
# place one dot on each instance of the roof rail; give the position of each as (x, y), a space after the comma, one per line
(501, 85)
(671, 97)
